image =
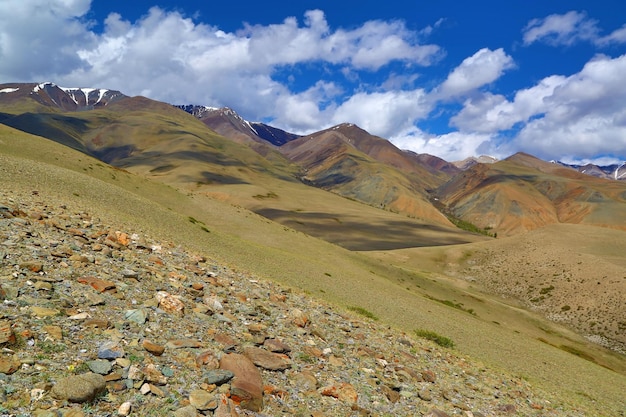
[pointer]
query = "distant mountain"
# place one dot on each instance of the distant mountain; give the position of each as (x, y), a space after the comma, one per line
(523, 193)
(230, 124)
(68, 99)
(472, 160)
(611, 172)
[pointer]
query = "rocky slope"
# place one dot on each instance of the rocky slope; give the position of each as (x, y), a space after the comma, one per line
(101, 321)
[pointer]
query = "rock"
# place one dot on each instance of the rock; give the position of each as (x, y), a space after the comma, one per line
(9, 364)
(429, 376)
(343, 392)
(391, 394)
(6, 332)
(275, 345)
(183, 343)
(32, 266)
(79, 388)
(436, 413)
(247, 385)
(152, 374)
(305, 381)
(298, 317)
(267, 360)
(124, 409)
(110, 350)
(188, 411)
(218, 376)
(100, 366)
(97, 323)
(138, 316)
(97, 284)
(129, 273)
(42, 312)
(153, 348)
(202, 400)
(208, 360)
(425, 394)
(169, 303)
(225, 408)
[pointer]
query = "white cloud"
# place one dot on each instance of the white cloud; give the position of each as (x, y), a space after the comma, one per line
(38, 38)
(560, 29)
(582, 114)
(482, 68)
(384, 113)
(569, 28)
(454, 146)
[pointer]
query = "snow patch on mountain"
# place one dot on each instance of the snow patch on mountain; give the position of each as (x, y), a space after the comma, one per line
(9, 90)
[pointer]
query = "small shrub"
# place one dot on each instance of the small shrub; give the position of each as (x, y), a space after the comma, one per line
(363, 312)
(565, 308)
(437, 338)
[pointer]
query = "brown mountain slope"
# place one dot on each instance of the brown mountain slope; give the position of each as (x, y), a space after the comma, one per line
(524, 193)
(349, 161)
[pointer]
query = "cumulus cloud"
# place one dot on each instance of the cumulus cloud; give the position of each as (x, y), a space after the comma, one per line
(582, 114)
(38, 38)
(453, 146)
(168, 56)
(482, 68)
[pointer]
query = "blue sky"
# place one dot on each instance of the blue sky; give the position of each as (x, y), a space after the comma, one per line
(449, 78)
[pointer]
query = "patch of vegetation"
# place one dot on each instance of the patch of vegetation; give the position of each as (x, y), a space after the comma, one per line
(577, 352)
(566, 308)
(363, 312)
(270, 194)
(458, 306)
(546, 290)
(437, 338)
(469, 227)
(48, 347)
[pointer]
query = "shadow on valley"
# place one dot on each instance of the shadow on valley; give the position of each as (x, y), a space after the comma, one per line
(360, 235)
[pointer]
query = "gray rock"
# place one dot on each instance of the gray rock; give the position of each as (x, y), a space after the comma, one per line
(79, 388)
(110, 350)
(100, 366)
(218, 376)
(138, 316)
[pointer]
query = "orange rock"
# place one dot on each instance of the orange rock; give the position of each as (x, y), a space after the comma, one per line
(6, 332)
(153, 348)
(344, 392)
(97, 284)
(169, 303)
(247, 385)
(122, 238)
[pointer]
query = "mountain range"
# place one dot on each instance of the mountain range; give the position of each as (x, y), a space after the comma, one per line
(517, 194)
(520, 260)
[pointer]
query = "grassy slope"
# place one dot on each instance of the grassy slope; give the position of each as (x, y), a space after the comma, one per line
(247, 241)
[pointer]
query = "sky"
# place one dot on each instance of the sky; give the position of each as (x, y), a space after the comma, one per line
(450, 78)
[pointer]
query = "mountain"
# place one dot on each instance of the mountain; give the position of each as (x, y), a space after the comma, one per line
(612, 172)
(349, 161)
(523, 193)
(230, 124)
(472, 160)
(68, 99)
